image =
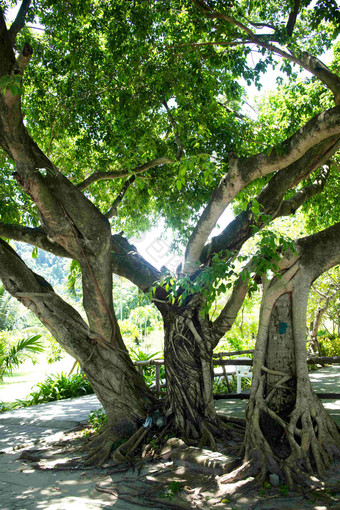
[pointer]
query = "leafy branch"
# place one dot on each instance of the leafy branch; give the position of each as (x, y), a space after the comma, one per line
(12, 83)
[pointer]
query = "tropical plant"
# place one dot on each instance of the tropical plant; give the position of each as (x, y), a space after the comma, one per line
(149, 371)
(58, 387)
(11, 356)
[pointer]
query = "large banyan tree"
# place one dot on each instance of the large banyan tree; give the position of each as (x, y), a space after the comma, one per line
(114, 114)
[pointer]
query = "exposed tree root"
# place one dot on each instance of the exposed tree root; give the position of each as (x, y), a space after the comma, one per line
(123, 453)
(100, 447)
(295, 448)
(247, 468)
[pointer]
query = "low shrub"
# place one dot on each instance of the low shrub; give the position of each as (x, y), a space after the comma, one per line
(60, 386)
(329, 346)
(97, 420)
(55, 387)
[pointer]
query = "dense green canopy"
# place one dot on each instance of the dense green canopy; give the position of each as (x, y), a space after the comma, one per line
(113, 86)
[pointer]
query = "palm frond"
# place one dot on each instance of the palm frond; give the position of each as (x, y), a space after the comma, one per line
(11, 358)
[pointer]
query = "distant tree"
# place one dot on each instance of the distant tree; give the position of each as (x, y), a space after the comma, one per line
(324, 304)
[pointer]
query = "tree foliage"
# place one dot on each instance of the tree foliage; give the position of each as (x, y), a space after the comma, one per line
(12, 356)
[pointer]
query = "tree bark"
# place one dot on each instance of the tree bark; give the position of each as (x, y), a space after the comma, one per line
(120, 389)
(288, 431)
(188, 346)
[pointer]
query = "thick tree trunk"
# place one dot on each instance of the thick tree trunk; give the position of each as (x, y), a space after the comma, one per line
(105, 361)
(122, 392)
(288, 432)
(120, 389)
(280, 355)
(189, 373)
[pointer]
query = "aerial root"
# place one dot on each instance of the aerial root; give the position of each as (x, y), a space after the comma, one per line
(247, 469)
(100, 448)
(207, 436)
(124, 451)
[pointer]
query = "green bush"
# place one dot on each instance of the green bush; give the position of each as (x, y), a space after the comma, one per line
(329, 346)
(97, 419)
(60, 386)
(55, 387)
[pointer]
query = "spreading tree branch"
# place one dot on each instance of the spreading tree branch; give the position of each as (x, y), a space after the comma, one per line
(60, 318)
(270, 198)
(245, 170)
(291, 205)
(293, 17)
(113, 209)
(19, 21)
(321, 251)
(209, 12)
(7, 57)
(127, 262)
(301, 58)
(116, 174)
(34, 236)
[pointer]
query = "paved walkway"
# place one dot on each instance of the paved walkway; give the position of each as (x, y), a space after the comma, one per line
(25, 488)
(325, 380)
(39, 422)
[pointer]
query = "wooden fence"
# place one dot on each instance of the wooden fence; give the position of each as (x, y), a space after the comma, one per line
(219, 361)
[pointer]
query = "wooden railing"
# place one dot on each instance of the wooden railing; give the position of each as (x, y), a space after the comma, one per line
(219, 361)
(152, 362)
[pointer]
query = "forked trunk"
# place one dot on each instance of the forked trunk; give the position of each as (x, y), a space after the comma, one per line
(105, 361)
(189, 372)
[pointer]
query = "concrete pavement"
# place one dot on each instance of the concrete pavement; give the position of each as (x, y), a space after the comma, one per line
(29, 424)
(325, 380)
(23, 487)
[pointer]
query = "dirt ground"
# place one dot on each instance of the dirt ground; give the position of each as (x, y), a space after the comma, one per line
(53, 476)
